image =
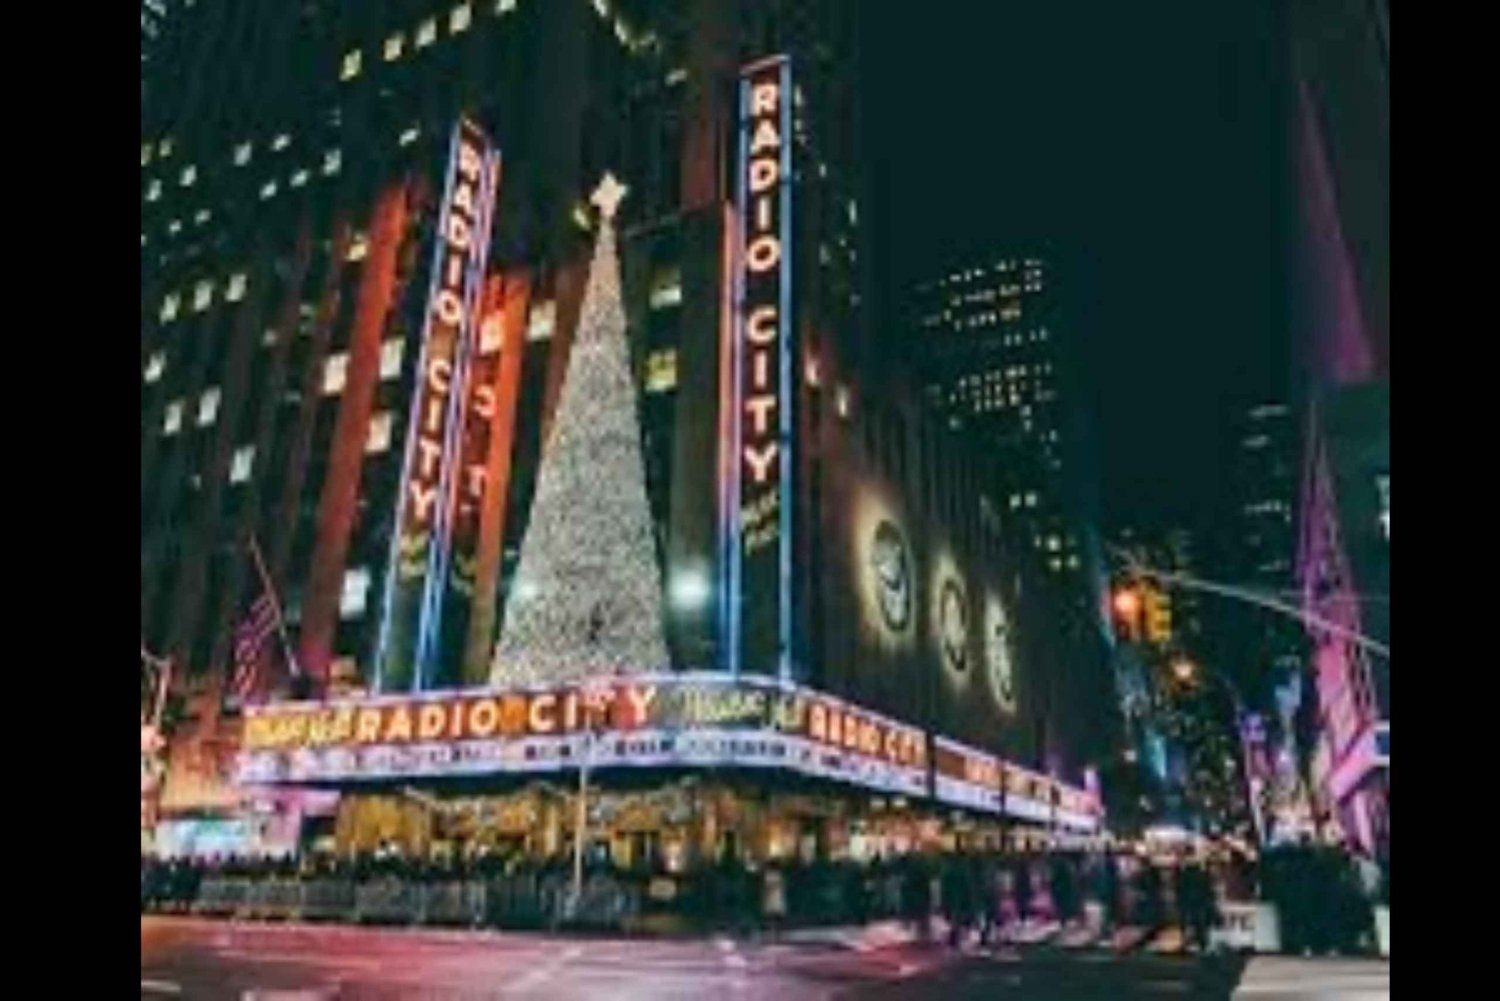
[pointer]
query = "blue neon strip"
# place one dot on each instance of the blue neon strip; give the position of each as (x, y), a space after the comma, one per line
(382, 648)
(735, 592)
(440, 556)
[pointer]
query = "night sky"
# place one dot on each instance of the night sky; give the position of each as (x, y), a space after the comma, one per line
(1138, 144)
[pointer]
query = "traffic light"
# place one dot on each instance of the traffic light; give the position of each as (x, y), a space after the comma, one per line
(1158, 615)
(1126, 605)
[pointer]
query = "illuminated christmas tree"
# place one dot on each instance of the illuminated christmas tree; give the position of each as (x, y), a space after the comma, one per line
(587, 597)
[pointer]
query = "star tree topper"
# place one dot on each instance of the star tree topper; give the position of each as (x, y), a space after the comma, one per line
(608, 195)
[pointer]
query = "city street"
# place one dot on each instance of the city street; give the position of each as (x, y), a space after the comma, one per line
(212, 960)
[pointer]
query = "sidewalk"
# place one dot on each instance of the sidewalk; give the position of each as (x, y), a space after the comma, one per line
(1285, 978)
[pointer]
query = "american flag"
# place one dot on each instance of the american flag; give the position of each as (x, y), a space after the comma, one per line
(250, 639)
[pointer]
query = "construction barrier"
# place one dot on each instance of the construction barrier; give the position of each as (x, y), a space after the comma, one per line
(385, 901)
(1247, 927)
(221, 896)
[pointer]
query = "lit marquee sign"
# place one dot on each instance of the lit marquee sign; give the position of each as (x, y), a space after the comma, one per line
(432, 484)
(964, 776)
(758, 394)
(681, 719)
(471, 486)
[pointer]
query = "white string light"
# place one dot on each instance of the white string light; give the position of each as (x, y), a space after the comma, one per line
(587, 599)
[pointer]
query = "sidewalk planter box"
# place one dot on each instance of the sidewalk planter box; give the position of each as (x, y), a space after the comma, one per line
(1383, 931)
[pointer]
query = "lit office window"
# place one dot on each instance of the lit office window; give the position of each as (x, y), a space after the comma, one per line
(332, 161)
(155, 365)
(174, 227)
(661, 371)
(543, 319)
(379, 438)
(145, 154)
(201, 216)
(164, 149)
(359, 246)
(208, 406)
(268, 190)
(350, 68)
(172, 418)
(153, 190)
(242, 154)
(353, 594)
(281, 141)
(299, 178)
(409, 135)
(203, 294)
(666, 287)
(459, 19)
(236, 288)
(169, 307)
(335, 371)
(188, 176)
(241, 464)
(505, 6)
(394, 46)
(390, 357)
(426, 32)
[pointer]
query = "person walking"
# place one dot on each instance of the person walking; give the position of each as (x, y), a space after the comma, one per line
(958, 898)
(773, 899)
(1196, 904)
(1064, 887)
(915, 895)
(1021, 888)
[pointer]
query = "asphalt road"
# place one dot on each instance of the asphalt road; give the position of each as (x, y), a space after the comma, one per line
(206, 960)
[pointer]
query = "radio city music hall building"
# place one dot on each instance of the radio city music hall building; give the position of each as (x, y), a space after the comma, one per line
(383, 301)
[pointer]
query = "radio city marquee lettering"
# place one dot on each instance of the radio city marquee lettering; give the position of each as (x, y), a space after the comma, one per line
(964, 776)
(471, 487)
(664, 706)
(758, 499)
(429, 479)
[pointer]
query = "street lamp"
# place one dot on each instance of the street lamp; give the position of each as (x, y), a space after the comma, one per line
(595, 695)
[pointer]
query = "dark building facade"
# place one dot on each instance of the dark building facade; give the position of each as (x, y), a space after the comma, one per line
(990, 345)
(290, 229)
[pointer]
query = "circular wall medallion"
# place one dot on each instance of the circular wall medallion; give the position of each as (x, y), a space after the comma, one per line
(953, 626)
(999, 662)
(891, 565)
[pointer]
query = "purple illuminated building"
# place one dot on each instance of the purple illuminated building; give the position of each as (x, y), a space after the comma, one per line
(1341, 60)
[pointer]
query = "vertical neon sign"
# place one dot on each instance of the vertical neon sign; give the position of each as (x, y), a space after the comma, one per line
(757, 551)
(409, 635)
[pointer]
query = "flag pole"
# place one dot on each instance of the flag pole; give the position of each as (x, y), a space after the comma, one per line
(265, 580)
(163, 666)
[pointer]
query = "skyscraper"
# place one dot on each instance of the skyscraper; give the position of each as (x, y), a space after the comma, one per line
(1261, 444)
(989, 343)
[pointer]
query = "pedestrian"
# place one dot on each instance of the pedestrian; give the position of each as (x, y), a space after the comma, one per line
(1064, 889)
(1149, 904)
(1022, 888)
(1196, 902)
(773, 899)
(1109, 889)
(958, 897)
(916, 897)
